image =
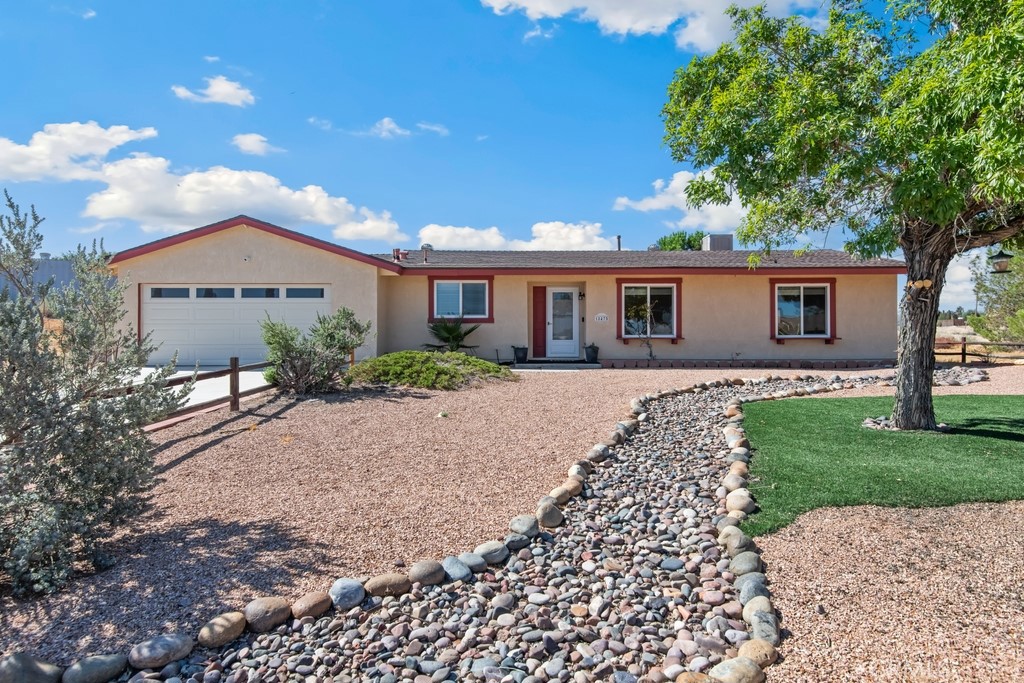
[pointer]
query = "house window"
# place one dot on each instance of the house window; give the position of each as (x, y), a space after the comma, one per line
(304, 293)
(649, 310)
(802, 310)
(215, 292)
(168, 292)
(454, 299)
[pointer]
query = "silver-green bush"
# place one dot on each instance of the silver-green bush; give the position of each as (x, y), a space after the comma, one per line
(74, 460)
(314, 362)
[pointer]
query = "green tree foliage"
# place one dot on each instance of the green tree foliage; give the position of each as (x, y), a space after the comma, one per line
(74, 462)
(868, 126)
(314, 362)
(1000, 300)
(681, 241)
(451, 332)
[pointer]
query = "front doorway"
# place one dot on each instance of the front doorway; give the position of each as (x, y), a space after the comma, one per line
(562, 322)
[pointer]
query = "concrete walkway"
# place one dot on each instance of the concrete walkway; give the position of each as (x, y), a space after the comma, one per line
(210, 389)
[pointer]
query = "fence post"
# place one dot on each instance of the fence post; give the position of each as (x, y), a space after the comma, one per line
(233, 383)
(963, 350)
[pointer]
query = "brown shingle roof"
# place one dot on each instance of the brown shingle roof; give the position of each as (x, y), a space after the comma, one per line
(602, 260)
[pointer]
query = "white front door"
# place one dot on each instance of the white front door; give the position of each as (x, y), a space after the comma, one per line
(563, 322)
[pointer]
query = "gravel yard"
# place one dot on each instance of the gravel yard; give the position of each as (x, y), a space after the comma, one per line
(923, 596)
(286, 496)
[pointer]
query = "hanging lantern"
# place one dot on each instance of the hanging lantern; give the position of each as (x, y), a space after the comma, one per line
(1000, 262)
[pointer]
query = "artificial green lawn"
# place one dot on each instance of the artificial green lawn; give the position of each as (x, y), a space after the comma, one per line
(813, 453)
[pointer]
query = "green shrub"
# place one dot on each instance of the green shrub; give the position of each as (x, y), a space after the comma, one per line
(75, 463)
(312, 363)
(428, 370)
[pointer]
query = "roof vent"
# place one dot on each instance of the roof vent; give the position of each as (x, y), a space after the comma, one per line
(654, 247)
(716, 243)
(427, 247)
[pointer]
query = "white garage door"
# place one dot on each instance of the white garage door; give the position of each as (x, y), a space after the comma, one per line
(208, 324)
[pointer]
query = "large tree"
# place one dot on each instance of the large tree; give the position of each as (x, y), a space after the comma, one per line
(902, 127)
(682, 241)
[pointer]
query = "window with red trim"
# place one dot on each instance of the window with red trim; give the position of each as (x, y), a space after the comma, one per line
(803, 310)
(649, 307)
(471, 299)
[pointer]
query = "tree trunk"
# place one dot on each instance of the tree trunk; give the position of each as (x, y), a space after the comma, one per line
(919, 314)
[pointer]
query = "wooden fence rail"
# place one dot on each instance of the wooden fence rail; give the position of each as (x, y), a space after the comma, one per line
(946, 347)
(234, 395)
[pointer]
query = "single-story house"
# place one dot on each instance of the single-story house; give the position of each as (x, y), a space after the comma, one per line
(203, 292)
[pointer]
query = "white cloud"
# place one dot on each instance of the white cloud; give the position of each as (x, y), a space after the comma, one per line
(553, 235)
(672, 195)
(89, 14)
(699, 24)
(438, 128)
(481, 138)
(322, 124)
(65, 151)
(143, 188)
(538, 32)
(219, 89)
(253, 143)
(102, 226)
(959, 287)
(386, 129)
(211, 58)
(453, 237)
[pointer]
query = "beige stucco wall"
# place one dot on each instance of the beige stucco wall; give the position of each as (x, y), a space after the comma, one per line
(725, 317)
(220, 258)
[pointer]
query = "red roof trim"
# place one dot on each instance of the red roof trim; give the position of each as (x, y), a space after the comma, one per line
(668, 270)
(237, 221)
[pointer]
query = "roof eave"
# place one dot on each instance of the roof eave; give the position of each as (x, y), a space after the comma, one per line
(180, 238)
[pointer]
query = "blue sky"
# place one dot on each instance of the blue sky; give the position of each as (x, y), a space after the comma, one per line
(507, 124)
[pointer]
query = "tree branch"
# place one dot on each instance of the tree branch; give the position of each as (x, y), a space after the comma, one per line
(986, 239)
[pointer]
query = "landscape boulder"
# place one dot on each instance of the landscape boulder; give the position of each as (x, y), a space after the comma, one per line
(222, 629)
(158, 652)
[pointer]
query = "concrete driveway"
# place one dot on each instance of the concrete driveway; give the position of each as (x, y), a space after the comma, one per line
(210, 389)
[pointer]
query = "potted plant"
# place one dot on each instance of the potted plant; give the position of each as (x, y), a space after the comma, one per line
(520, 353)
(591, 350)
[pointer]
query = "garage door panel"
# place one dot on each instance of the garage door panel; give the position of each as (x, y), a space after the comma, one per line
(214, 313)
(255, 315)
(173, 335)
(212, 330)
(176, 312)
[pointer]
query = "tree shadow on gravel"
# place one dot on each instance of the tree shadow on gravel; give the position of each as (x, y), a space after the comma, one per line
(165, 580)
(222, 431)
(1002, 428)
(274, 409)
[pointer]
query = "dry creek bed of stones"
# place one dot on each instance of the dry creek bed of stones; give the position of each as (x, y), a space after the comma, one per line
(633, 569)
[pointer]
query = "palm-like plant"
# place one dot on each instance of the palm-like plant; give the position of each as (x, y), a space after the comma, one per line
(451, 332)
